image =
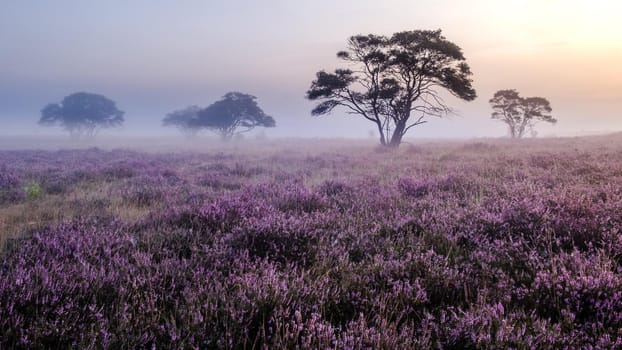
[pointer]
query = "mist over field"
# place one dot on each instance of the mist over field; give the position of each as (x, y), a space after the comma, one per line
(310, 175)
(154, 58)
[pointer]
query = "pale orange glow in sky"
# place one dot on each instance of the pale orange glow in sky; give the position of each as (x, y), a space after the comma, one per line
(567, 51)
(156, 56)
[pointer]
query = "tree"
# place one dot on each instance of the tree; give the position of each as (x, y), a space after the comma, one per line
(184, 120)
(393, 78)
(235, 113)
(82, 114)
(520, 114)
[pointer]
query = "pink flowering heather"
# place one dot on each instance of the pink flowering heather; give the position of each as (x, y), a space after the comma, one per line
(478, 245)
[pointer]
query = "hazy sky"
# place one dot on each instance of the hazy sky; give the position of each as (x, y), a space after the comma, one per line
(153, 56)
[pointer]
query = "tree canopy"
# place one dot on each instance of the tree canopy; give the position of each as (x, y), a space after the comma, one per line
(520, 114)
(393, 78)
(235, 113)
(82, 114)
(184, 120)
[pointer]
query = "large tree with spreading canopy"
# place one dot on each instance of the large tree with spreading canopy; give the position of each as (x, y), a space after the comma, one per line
(82, 114)
(395, 82)
(184, 120)
(520, 113)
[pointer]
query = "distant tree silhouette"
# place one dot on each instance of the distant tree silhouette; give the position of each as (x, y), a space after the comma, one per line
(184, 120)
(520, 114)
(235, 113)
(394, 78)
(82, 114)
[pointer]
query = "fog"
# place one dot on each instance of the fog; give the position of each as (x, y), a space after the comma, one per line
(153, 57)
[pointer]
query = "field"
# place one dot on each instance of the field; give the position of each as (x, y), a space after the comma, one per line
(491, 244)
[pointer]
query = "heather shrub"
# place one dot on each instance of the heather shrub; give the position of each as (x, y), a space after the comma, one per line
(300, 200)
(543, 160)
(144, 191)
(245, 171)
(278, 238)
(333, 188)
(220, 215)
(55, 186)
(142, 196)
(414, 188)
(579, 290)
(490, 245)
(10, 190)
(479, 147)
(119, 171)
(491, 326)
(219, 182)
(218, 167)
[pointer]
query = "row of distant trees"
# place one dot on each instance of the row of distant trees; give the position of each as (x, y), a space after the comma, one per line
(84, 114)
(394, 82)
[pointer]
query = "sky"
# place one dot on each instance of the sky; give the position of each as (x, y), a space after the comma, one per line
(154, 56)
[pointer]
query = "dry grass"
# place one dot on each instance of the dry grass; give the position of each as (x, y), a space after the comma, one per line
(21, 218)
(86, 199)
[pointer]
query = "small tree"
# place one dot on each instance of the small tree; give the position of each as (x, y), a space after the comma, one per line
(393, 78)
(184, 120)
(82, 114)
(235, 113)
(520, 114)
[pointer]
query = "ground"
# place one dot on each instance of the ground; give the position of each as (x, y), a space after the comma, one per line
(314, 244)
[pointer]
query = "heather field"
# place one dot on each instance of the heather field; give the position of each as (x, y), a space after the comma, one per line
(322, 245)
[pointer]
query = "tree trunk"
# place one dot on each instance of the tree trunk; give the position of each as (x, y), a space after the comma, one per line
(512, 131)
(398, 133)
(383, 141)
(225, 135)
(521, 132)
